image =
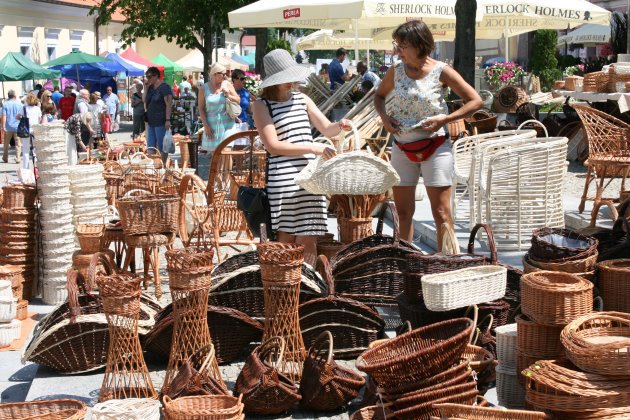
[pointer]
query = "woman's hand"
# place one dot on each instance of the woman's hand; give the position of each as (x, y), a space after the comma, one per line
(345, 124)
(208, 131)
(433, 124)
(325, 151)
(391, 124)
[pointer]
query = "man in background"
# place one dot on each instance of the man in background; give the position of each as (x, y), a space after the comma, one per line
(336, 73)
(367, 75)
(9, 124)
(183, 85)
(112, 102)
(56, 96)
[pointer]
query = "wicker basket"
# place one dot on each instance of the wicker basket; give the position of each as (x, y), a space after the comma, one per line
(67, 409)
(372, 412)
(351, 230)
(353, 173)
(537, 340)
(583, 265)
(19, 196)
(617, 75)
(90, 234)
(555, 298)
(596, 82)
(561, 245)
(599, 343)
(330, 247)
(129, 409)
(466, 412)
(510, 392)
(326, 386)
(203, 407)
(417, 355)
(464, 287)
(614, 284)
(506, 346)
(572, 82)
(509, 98)
(482, 122)
(149, 214)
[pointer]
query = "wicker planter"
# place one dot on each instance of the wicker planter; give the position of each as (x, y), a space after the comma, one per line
(614, 284)
(351, 230)
(506, 346)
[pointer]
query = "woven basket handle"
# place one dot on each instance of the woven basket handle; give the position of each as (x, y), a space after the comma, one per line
(534, 122)
(492, 246)
(450, 246)
(381, 219)
(107, 263)
(206, 361)
(404, 328)
(75, 285)
(355, 134)
(614, 215)
(263, 233)
(325, 270)
(490, 319)
(267, 349)
(475, 313)
(317, 351)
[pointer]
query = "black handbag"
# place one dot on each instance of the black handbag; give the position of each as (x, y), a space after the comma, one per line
(254, 202)
(24, 129)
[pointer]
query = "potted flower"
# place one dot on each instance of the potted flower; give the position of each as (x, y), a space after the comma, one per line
(252, 81)
(577, 70)
(499, 75)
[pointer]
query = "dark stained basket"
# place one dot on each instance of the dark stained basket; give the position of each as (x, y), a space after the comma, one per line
(193, 376)
(419, 316)
(614, 243)
(352, 324)
(371, 270)
(419, 265)
(417, 355)
(326, 386)
(577, 246)
(427, 409)
(237, 283)
(483, 121)
(222, 321)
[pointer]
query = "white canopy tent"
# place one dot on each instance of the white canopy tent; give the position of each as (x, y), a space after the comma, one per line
(193, 62)
(586, 34)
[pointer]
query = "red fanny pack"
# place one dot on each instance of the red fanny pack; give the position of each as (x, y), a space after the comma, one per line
(421, 150)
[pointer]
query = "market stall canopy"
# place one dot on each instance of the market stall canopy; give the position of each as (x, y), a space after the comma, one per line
(231, 64)
(243, 59)
(327, 39)
(193, 61)
(131, 69)
(130, 55)
(15, 66)
(76, 57)
(171, 68)
(86, 71)
(586, 34)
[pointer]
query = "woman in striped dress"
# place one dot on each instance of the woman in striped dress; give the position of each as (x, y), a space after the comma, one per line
(283, 118)
(217, 124)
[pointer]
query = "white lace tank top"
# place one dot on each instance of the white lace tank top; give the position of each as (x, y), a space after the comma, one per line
(415, 100)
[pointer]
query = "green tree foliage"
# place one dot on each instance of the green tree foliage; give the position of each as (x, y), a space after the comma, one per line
(619, 33)
(544, 61)
(189, 23)
(279, 44)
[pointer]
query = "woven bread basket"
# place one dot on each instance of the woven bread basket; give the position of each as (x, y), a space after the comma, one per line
(128, 409)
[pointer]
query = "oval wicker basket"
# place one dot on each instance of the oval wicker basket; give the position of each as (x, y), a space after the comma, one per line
(149, 214)
(129, 409)
(69, 409)
(555, 298)
(553, 244)
(599, 343)
(537, 340)
(417, 355)
(467, 412)
(200, 407)
(18, 196)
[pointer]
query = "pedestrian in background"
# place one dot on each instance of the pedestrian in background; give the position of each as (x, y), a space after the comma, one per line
(10, 111)
(34, 115)
(138, 110)
(56, 96)
(113, 105)
(336, 73)
(66, 104)
(158, 99)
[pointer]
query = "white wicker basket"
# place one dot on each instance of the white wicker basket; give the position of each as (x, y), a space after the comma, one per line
(8, 307)
(55, 292)
(52, 163)
(460, 288)
(353, 173)
(506, 346)
(510, 393)
(128, 409)
(5, 289)
(9, 332)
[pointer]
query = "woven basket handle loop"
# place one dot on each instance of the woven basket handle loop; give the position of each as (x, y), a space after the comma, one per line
(404, 328)
(450, 246)
(512, 316)
(534, 122)
(355, 134)
(614, 215)
(325, 270)
(492, 246)
(273, 346)
(475, 314)
(598, 303)
(620, 320)
(317, 351)
(263, 233)
(206, 361)
(104, 260)
(381, 219)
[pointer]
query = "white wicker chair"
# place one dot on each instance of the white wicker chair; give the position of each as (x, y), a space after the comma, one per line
(523, 191)
(464, 152)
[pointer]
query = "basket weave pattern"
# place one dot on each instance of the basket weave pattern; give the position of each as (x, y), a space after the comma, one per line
(61, 409)
(203, 407)
(149, 214)
(614, 284)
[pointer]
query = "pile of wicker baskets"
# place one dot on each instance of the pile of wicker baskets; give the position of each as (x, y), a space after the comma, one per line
(87, 186)
(18, 250)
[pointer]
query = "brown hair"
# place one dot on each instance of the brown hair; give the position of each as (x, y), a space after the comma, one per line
(31, 99)
(93, 98)
(49, 108)
(417, 34)
(271, 93)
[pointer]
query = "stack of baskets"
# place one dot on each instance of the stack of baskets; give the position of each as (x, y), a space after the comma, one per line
(510, 393)
(423, 367)
(10, 327)
(56, 210)
(87, 186)
(18, 248)
(556, 249)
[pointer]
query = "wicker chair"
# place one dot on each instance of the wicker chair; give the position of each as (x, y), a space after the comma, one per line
(208, 210)
(609, 154)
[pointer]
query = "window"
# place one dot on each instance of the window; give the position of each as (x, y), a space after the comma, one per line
(25, 39)
(52, 37)
(75, 38)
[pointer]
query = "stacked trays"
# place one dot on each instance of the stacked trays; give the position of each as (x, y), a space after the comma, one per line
(10, 328)
(18, 250)
(58, 239)
(87, 187)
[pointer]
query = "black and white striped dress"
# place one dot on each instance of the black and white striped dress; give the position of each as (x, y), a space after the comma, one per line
(293, 210)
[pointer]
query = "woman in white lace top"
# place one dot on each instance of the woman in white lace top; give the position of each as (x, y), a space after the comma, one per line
(417, 117)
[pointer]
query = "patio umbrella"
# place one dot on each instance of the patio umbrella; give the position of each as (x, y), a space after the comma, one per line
(75, 58)
(327, 39)
(586, 34)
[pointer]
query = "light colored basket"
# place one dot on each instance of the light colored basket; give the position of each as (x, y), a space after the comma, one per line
(127, 409)
(55, 293)
(5, 289)
(510, 393)
(8, 309)
(572, 82)
(460, 288)
(9, 332)
(507, 340)
(353, 173)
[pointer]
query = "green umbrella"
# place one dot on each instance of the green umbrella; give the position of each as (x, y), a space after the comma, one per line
(76, 57)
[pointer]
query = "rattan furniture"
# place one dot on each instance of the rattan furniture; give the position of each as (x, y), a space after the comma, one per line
(189, 275)
(126, 373)
(608, 155)
(208, 210)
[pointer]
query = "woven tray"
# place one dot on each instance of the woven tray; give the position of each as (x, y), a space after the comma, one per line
(459, 411)
(59, 409)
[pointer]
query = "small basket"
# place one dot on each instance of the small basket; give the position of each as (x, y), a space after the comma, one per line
(537, 340)
(599, 343)
(149, 214)
(582, 265)
(90, 234)
(67, 409)
(482, 122)
(329, 248)
(465, 287)
(326, 386)
(417, 355)
(203, 407)
(19, 196)
(572, 82)
(560, 245)
(351, 230)
(509, 98)
(21, 312)
(614, 284)
(129, 409)
(555, 298)
(506, 346)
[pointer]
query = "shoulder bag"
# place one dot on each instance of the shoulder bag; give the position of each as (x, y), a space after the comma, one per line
(233, 109)
(23, 129)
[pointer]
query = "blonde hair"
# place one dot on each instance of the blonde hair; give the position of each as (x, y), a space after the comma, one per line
(31, 99)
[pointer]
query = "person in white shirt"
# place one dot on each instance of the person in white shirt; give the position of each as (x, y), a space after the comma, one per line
(81, 106)
(34, 115)
(183, 85)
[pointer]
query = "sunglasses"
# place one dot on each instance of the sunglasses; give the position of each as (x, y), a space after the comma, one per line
(397, 46)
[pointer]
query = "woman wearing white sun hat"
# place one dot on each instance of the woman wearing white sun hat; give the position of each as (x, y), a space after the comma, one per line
(283, 118)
